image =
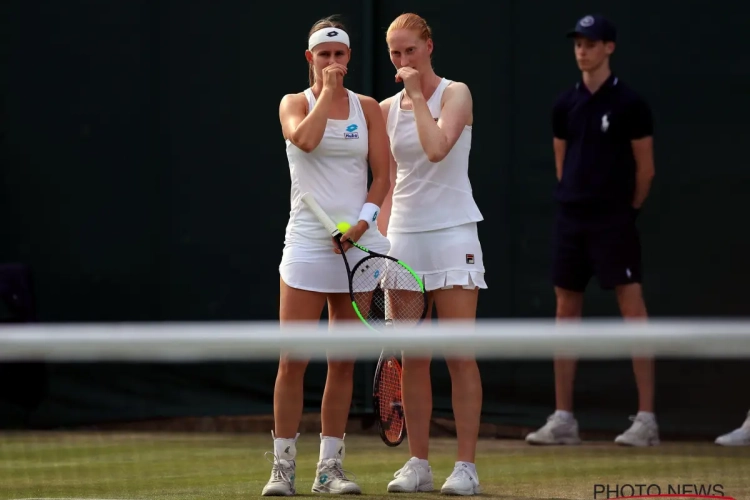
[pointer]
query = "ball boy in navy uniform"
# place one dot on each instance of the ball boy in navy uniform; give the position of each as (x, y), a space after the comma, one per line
(604, 159)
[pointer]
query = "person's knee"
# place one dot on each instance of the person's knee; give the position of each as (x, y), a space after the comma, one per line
(341, 370)
(569, 303)
(459, 366)
(416, 373)
(630, 300)
(290, 366)
(416, 360)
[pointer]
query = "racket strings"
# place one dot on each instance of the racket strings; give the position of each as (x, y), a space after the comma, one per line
(389, 399)
(387, 294)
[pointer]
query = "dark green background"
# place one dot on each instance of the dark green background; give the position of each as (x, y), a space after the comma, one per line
(143, 178)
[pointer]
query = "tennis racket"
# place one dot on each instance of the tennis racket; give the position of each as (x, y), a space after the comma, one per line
(385, 293)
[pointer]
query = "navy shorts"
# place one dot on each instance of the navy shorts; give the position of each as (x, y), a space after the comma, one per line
(605, 246)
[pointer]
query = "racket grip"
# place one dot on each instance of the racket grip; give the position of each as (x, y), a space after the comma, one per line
(323, 217)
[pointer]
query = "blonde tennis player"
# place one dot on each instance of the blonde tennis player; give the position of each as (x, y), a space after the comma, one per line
(431, 220)
(331, 135)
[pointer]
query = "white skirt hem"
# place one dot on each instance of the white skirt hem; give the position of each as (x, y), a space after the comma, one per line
(443, 280)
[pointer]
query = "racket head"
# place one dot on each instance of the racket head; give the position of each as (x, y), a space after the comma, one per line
(386, 293)
(387, 400)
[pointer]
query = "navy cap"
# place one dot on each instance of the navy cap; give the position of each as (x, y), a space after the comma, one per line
(594, 28)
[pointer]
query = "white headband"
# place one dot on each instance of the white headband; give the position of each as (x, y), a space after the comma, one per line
(328, 35)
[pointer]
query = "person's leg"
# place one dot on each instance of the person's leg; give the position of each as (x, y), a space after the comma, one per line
(618, 265)
(337, 395)
(295, 305)
(416, 390)
(633, 308)
(571, 272)
(337, 400)
(457, 303)
(569, 308)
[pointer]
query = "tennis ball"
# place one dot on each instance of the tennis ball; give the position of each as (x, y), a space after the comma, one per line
(343, 227)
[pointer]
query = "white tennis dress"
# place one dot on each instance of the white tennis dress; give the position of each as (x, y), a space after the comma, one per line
(335, 173)
(433, 223)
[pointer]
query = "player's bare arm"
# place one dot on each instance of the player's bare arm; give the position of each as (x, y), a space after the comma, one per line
(438, 138)
(305, 130)
(559, 146)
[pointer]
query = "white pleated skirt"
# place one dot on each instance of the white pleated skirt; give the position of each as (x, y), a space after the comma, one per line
(443, 258)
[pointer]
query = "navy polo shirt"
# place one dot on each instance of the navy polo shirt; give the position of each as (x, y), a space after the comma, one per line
(599, 166)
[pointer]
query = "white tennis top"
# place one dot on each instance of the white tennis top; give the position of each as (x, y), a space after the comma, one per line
(428, 196)
(335, 173)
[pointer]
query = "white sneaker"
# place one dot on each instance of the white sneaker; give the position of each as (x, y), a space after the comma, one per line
(331, 478)
(462, 481)
(281, 483)
(411, 478)
(738, 437)
(557, 430)
(643, 432)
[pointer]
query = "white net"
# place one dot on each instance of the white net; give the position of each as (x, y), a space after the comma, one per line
(165, 411)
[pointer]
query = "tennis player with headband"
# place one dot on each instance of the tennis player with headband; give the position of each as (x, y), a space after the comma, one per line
(331, 134)
(431, 220)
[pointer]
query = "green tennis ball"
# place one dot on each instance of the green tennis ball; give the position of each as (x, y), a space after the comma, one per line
(343, 227)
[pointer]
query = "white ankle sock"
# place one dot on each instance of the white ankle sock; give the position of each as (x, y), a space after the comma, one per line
(285, 448)
(646, 415)
(565, 415)
(332, 447)
(472, 467)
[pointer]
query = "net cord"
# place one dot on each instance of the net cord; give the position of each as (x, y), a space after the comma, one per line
(255, 341)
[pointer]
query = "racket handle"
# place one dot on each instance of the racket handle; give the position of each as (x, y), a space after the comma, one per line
(323, 217)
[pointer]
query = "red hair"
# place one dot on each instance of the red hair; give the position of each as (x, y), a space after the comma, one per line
(411, 22)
